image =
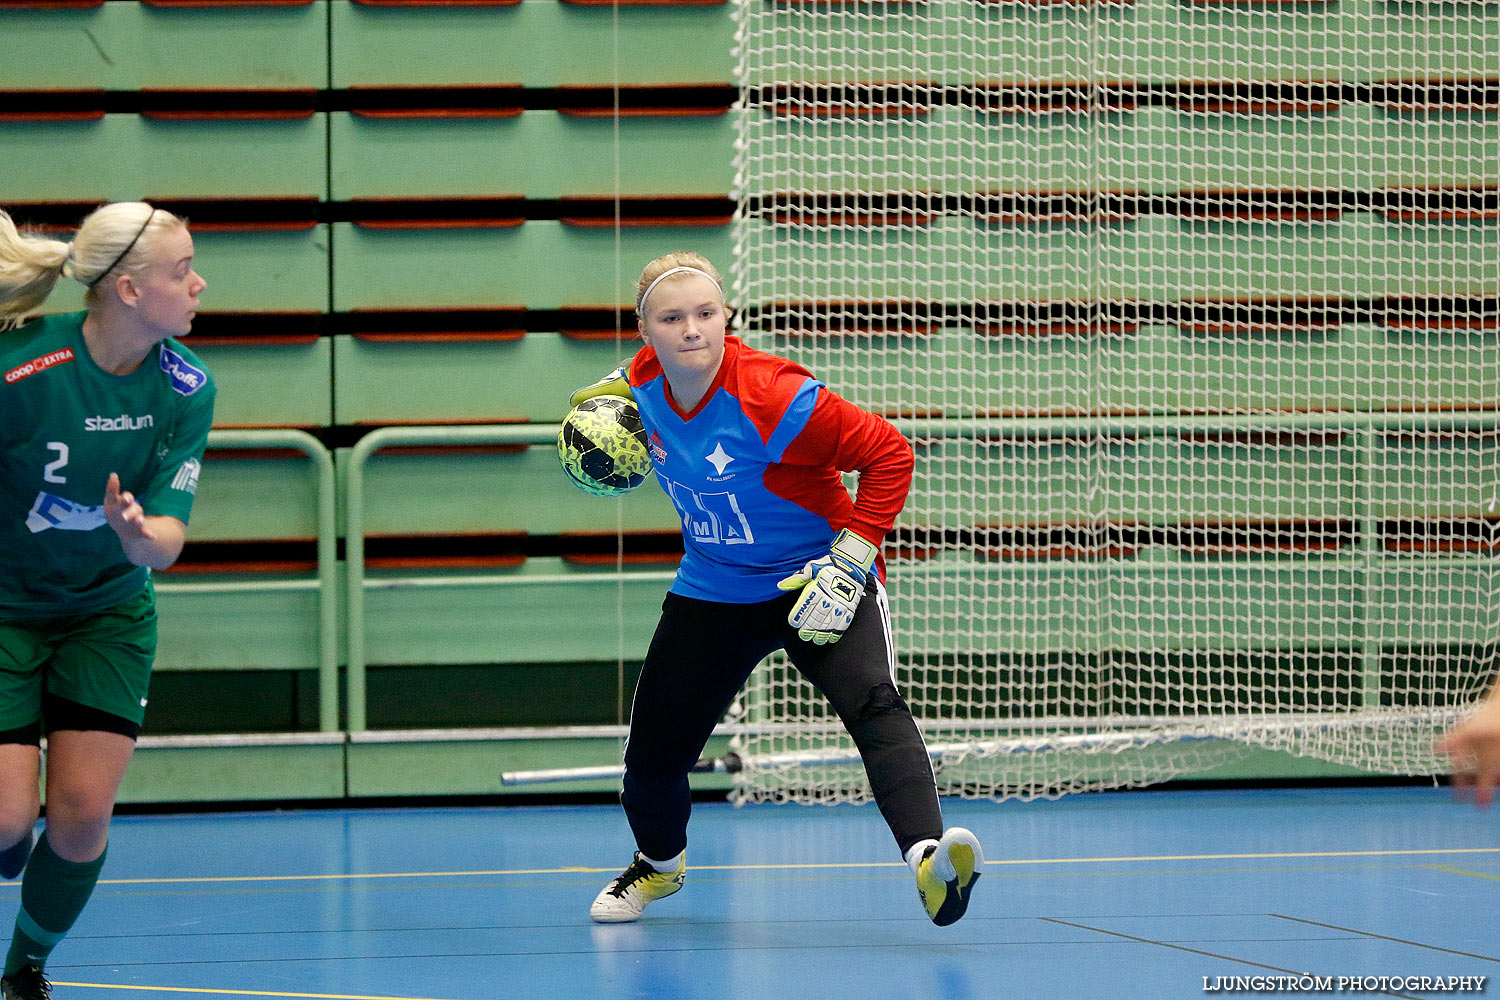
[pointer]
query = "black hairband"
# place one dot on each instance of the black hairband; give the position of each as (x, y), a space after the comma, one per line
(128, 247)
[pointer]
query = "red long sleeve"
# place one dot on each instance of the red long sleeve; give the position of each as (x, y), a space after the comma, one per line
(842, 436)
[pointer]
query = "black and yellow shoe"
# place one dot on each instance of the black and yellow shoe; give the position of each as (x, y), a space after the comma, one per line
(947, 873)
(623, 899)
(616, 383)
(26, 983)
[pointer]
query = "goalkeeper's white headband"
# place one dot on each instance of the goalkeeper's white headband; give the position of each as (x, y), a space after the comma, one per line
(677, 270)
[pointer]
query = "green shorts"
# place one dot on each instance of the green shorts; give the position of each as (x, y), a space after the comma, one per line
(101, 660)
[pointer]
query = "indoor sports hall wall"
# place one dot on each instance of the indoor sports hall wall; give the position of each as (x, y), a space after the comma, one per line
(409, 215)
(420, 223)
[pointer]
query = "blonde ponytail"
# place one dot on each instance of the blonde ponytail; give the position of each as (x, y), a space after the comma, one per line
(29, 268)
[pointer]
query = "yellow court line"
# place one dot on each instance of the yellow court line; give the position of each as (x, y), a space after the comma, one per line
(355, 876)
(1252, 857)
(1463, 871)
(237, 993)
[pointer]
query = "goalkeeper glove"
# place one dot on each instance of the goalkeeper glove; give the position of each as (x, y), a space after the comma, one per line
(613, 384)
(831, 588)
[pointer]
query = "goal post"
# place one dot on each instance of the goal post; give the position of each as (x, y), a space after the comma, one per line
(1191, 313)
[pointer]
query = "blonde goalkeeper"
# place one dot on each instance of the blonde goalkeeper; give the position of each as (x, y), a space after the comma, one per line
(750, 447)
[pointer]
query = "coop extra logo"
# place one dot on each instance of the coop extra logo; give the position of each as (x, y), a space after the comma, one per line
(40, 364)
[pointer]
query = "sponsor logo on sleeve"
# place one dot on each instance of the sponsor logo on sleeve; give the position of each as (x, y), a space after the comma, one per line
(187, 477)
(186, 378)
(40, 364)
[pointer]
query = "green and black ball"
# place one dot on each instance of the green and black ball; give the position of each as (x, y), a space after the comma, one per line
(602, 446)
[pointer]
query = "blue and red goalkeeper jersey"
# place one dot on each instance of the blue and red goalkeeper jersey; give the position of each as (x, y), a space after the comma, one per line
(754, 471)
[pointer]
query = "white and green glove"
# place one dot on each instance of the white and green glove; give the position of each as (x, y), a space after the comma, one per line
(613, 384)
(831, 588)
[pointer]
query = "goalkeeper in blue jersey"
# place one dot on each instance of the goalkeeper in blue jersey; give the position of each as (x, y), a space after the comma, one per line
(105, 420)
(750, 448)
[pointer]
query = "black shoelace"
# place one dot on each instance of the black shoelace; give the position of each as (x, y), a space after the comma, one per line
(28, 983)
(637, 871)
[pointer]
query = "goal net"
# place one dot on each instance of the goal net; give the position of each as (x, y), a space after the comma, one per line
(1189, 311)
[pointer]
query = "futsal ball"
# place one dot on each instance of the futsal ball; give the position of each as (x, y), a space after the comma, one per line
(602, 446)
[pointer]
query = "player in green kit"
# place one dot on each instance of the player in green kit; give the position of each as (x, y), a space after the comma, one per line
(103, 421)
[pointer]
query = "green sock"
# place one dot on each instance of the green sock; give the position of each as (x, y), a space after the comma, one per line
(53, 894)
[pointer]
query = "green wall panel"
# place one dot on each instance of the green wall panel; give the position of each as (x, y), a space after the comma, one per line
(523, 44)
(1148, 149)
(1349, 367)
(1162, 605)
(1158, 480)
(1437, 606)
(383, 381)
(124, 45)
(1190, 479)
(60, 161)
(255, 496)
(1152, 258)
(542, 612)
(1140, 607)
(164, 772)
(232, 628)
(541, 264)
(1438, 475)
(538, 154)
(436, 491)
(270, 384)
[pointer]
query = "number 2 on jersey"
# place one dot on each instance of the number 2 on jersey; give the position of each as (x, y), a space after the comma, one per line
(49, 471)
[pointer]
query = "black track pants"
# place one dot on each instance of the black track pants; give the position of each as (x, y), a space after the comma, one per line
(700, 657)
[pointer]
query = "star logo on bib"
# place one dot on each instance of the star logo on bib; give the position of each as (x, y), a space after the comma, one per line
(719, 458)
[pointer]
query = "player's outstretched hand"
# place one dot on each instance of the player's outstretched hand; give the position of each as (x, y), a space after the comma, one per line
(613, 384)
(1474, 746)
(831, 589)
(124, 515)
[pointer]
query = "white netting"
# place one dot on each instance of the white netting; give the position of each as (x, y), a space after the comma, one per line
(1190, 312)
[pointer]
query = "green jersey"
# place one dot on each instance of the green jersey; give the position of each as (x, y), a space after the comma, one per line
(65, 425)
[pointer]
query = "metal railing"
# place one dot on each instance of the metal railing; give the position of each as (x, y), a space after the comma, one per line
(354, 515)
(326, 581)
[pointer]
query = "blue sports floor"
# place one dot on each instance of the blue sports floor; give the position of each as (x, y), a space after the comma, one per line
(1128, 895)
